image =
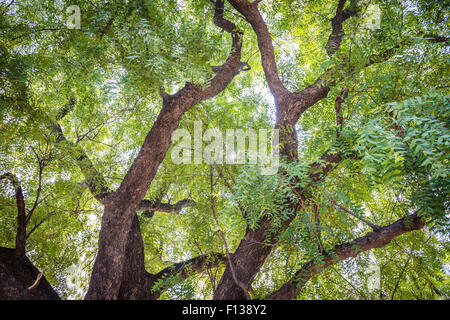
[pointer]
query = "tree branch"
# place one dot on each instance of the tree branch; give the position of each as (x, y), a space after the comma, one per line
(338, 107)
(252, 15)
(147, 205)
(37, 225)
(95, 180)
(370, 224)
(229, 258)
(36, 282)
(321, 168)
(120, 207)
(197, 264)
(334, 41)
(186, 268)
(21, 216)
(341, 252)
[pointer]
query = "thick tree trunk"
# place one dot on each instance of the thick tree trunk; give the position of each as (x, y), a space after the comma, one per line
(120, 206)
(18, 274)
(247, 261)
(136, 281)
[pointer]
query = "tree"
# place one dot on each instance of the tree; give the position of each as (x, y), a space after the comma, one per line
(88, 117)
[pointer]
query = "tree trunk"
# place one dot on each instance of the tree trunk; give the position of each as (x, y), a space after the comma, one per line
(18, 274)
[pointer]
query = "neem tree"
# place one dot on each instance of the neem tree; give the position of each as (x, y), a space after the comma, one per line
(88, 111)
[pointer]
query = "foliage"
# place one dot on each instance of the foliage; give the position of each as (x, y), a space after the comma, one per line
(396, 122)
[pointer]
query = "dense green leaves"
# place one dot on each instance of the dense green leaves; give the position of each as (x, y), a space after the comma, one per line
(395, 139)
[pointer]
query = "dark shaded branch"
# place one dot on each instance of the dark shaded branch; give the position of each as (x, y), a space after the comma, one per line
(21, 217)
(338, 107)
(233, 65)
(147, 205)
(351, 284)
(334, 41)
(41, 164)
(341, 252)
(383, 56)
(37, 225)
(94, 180)
(195, 265)
(435, 38)
(7, 6)
(327, 162)
(370, 224)
(10, 288)
(401, 274)
(219, 20)
(390, 52)
(186, 268)
(319, 90)
(317, 229)
(17, 274)
(66, 109)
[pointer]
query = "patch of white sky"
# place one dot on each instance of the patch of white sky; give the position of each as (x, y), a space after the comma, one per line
(77, 279)
(181, 4)
(77, 276)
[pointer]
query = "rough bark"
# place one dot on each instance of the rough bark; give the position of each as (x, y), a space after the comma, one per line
(18, 274)
(341, 252)
(21, 215)
(119, 270)
(10, 288)
(254, 248)
(121, 206)
(136, 281)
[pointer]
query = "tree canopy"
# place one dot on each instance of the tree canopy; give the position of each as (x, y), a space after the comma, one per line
(94, 206)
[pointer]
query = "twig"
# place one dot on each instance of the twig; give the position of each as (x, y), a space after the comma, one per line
(351, 284)
(402, 272)
(212, 277)
(213, 209)
(36, 282)
(370, 224)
